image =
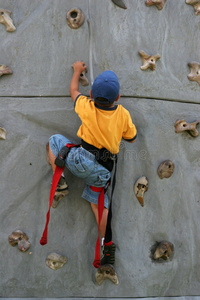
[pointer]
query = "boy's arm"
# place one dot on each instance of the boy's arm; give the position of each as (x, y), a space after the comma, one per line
(132, 140)
(79, 67)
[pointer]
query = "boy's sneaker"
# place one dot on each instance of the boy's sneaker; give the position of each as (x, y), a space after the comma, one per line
(61, 192)
(108, 255)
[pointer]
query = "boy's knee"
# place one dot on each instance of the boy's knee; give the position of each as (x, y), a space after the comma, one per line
(56, 142)
(56, 137)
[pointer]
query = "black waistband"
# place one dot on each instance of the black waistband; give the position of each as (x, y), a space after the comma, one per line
(103, 156)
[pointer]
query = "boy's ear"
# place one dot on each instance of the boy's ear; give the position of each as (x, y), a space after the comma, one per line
(91, 94)
(118, 97)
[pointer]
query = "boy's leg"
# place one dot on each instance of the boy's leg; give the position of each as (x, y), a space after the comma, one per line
(103, 219)
(52, 159)
(109, 248)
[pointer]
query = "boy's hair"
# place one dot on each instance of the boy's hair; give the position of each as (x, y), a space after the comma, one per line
(103, 102)
(105, 88)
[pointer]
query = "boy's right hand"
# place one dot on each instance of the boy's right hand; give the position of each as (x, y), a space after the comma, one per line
(79, 66)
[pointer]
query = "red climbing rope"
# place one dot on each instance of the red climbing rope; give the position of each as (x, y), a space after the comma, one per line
(56, 177)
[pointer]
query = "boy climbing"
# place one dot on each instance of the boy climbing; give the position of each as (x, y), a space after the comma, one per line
(104, 124)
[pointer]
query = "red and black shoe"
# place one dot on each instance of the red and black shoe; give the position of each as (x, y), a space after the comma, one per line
(108, 254)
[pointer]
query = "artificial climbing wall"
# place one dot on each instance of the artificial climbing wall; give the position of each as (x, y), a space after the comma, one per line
(35, 104)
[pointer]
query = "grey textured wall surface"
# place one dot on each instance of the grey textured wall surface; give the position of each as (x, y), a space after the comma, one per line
(35, 104)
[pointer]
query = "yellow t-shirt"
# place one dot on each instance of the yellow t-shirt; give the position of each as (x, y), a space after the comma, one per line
(104, 127)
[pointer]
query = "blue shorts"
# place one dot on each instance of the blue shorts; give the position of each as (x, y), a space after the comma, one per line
(82, 164)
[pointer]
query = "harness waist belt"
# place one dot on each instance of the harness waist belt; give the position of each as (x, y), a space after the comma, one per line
(103, 156)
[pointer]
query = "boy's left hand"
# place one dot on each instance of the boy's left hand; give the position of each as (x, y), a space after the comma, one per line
(79, 66)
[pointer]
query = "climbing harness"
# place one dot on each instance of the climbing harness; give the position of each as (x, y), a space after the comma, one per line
(108, 160)
(103, 156)
(55, 180)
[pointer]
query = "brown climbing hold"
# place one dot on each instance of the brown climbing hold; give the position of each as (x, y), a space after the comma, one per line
(194, 72)
(106, 272)
(165, 169)
(163, 250)
(195, 4)
(6, 20)
(158, 3)
(182, 125)
(149, 61)
(55, 261)
(75, 18)
(119, 3)
(141, 186)
(2, 133)
(19, 238)
(4, 70)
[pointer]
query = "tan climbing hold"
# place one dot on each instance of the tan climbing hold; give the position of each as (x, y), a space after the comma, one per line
(106, 272)
(3, 133)
(55, 261)
(195, 4)
(166, 169)
(75, 18)
(141, 186)
(194, 71)
(6, 20)
(149, 61)
(83, 79)
(164, 250)
(19, 238)
(4, 70)
(182, 125)
(158, 3)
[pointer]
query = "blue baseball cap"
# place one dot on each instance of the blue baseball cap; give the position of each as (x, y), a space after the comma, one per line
(106, 85)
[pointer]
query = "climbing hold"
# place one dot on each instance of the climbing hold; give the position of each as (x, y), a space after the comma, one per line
(195, 4)
(83, 79)
(158, 3)
(194, 72)
(182, 125)
(165, 169)
(2, 133)
(119, 3)
(4, 70)
(106, 272)
(6, 20)
(141, 186)
(55, 261)
(149, 61)
(163, 250)
(75, 18)
(19, 238)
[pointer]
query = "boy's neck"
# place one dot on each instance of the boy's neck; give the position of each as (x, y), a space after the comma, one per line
(105, 105)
